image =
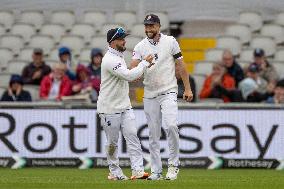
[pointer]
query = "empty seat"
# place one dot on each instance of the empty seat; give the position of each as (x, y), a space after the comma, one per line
(64, 17)
(7, 19)
(273, 30)
(164, 19)
(26, 54)
(214, 55)
(126, 18)
(2, 90)
(2, 29)
(251, 18)
(138, 30)
(16, 66)
(279, 67)
(85, 55)
(6, 55)
(86, 31)
(74, 42)
(239, 30)
(5, 79)
(53, 55)
(264, 42)
(13, 42)
(132, 41)
(199, 80)
(99, 42)
(34, 91)
(109, 26)
(247, 54)
(34, 17)
(279, 55)
(45, 42)
(54, 30)
(24, 30)
(203, 67)
(51, 63)
(280, 19)
(229, 42)
(95, 18)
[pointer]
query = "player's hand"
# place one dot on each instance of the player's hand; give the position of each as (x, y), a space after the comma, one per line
(187, 95)
(149, 59)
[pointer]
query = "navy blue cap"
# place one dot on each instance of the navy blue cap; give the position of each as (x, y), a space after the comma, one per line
(15, 78)
(64, 50)
(151, 19)
(117, 33)
(253, 68)
(95, 52)
(258, 52)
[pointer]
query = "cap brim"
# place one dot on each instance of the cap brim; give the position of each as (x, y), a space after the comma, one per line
(123, 36)
(149, 22)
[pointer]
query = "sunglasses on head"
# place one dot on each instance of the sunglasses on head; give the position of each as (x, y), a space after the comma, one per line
(119, 33)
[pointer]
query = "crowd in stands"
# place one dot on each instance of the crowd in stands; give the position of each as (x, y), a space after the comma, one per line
(228, 81)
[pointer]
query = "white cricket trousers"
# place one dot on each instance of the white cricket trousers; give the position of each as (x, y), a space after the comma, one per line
(162, 107)
(124, 122)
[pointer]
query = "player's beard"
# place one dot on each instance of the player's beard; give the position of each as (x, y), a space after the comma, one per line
(151, 35)
(120, 48)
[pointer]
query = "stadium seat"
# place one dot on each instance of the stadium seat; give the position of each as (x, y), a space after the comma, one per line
(239, 30)
(99, 42)
(266, 43)
(2, 29)
(84, 30)
(2, 90)
(279, 67)
(214, 55)
(85, 55)
(131, 41)
(164, 19)
(193, 56)
(54, 30)
(127, 18)
(203, 67)
(45, 42)
(253, 19)
(6, 55)
(74, 42)
(4, 79)
(34, 91)
(247, 54)
(7, 19)
(51, 63)
(96, 18)
(229, 42)
(199, 80)
(64, 17)
(109, 26)
(16, 66)
(13, 42)
(26, 54)
(24, 30)
(279, 55)
(280, 19)
(138, 30)
(273, 30)
(34, 17)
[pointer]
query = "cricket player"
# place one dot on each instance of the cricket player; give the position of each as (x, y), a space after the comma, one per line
(114, 106)
(160, 93)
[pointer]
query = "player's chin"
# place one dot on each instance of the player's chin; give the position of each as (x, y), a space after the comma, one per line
(150, 35)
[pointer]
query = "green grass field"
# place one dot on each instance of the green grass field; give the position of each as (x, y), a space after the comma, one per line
(55, 178)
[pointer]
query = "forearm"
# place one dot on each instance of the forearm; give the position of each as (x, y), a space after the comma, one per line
(184, 77)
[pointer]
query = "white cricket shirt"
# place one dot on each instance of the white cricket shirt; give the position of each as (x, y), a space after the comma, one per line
(114, 90)
(160, 78)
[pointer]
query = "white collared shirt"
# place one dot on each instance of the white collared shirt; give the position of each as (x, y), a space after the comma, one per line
(54, 90)
(160, 78)
(114, 89)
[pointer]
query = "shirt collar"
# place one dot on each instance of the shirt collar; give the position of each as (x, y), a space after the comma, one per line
(116, 52)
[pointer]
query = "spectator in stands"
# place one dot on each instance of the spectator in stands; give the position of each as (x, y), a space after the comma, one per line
(65, 57)
(233, 68)
(267, 70)
(85, 83)
(15, 90)
(36, 70)
(181, 86)
(56, 84)
(217, 84)
(96, 61)
(254, 88)
(278, 97)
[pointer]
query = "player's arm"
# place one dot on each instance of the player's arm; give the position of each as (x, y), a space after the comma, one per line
(176, 52)
(124, 73)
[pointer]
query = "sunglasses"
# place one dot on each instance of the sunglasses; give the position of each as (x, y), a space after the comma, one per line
(119, 33)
